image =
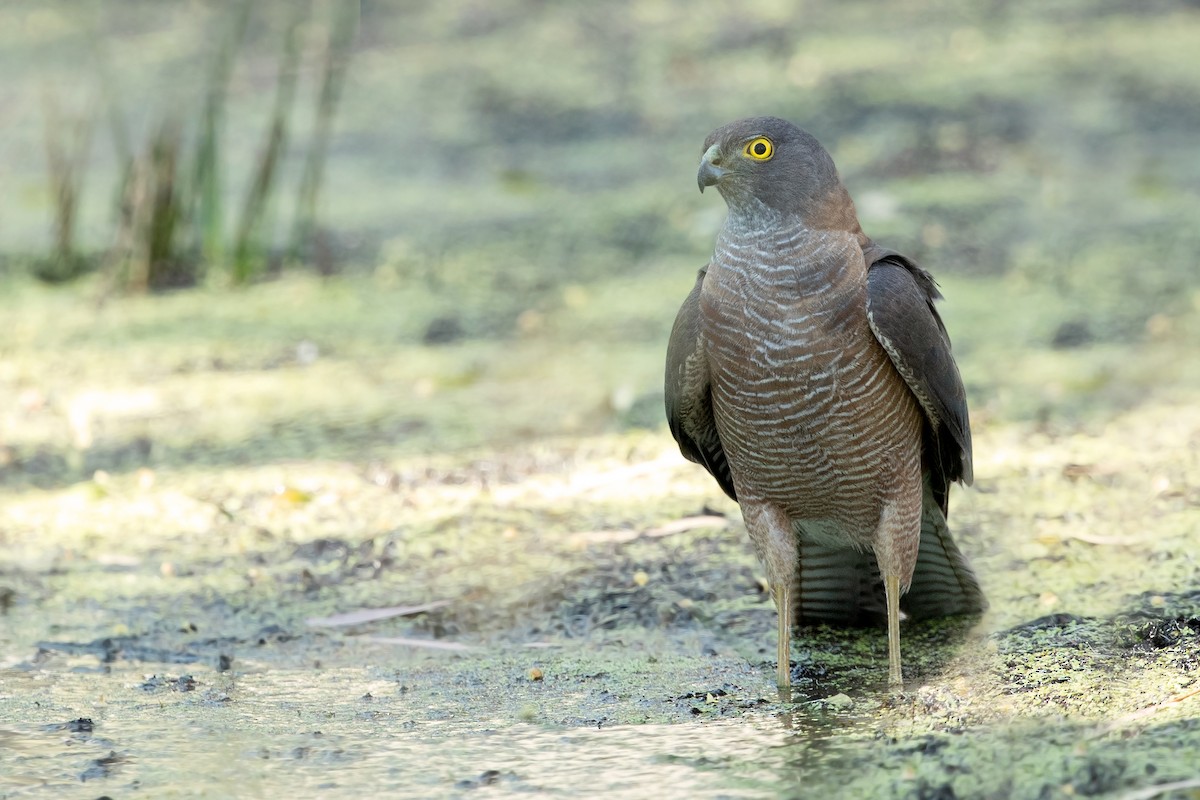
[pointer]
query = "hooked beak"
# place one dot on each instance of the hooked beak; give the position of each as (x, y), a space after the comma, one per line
(709, 172)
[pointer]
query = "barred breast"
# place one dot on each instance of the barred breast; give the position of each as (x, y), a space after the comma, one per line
(813, 416)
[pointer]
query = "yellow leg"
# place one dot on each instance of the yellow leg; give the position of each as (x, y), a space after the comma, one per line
(891, 585)
(783, 604)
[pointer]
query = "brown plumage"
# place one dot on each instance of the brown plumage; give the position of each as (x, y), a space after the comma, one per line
(809, 372)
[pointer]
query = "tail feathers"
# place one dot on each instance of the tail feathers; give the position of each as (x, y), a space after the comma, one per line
(943, 583)
(836, 586)
(841, 586)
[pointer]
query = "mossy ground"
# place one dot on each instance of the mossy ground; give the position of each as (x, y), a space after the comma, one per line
(185, 489)
(469, 419)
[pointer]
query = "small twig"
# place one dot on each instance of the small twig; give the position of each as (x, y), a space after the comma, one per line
(688, 524)
(1142, 713)
(363, 615)
(1148, 792)
(583, 538)
(1116, 541)
(428, 644)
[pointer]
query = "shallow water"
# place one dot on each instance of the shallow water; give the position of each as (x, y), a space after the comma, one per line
(269, 733)
(348, 731)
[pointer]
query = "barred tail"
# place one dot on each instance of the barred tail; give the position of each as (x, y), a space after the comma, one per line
(841, 586)
(943, 583)
(836, 586)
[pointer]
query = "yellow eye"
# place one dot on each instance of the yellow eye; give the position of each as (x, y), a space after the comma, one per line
(759, 149)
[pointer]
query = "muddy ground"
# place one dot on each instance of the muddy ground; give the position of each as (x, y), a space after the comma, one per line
(205, 494)
(189, 515)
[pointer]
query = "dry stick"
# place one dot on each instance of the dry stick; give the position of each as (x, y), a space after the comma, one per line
(162, 209)
(688, 524)
(1142, 713)
(373, 614)
(1115, 541)
(428, 644)
(1149, 792)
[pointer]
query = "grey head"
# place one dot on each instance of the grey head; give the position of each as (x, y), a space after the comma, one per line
(768, 165)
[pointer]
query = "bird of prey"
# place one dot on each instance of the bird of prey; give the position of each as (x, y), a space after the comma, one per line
(810, 373)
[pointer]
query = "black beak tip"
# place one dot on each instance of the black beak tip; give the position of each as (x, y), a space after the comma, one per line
(708, 175)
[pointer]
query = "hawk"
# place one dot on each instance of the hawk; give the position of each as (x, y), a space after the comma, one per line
(810, 373)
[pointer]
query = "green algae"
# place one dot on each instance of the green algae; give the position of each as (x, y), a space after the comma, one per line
(166, 597)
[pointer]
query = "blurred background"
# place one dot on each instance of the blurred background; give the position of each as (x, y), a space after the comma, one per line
(297, 180)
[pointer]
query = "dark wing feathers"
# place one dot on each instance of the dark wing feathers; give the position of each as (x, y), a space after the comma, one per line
(688, 394)
(836, 585)
(900, 308)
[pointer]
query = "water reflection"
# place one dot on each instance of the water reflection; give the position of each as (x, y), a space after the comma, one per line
(269, 734)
